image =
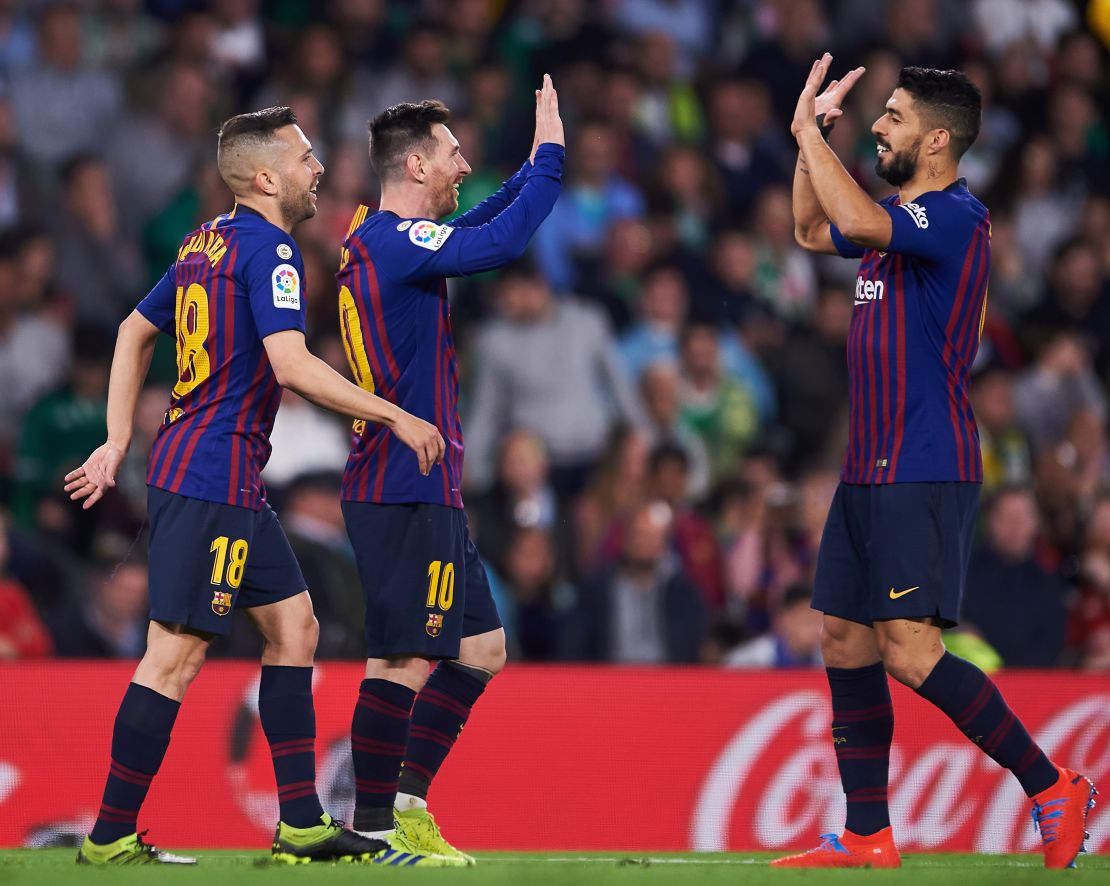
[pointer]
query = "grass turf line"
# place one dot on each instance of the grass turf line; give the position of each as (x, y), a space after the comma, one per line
(46, 867)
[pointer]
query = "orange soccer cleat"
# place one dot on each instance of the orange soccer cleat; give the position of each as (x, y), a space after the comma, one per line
(1060, 814)
(847, 851)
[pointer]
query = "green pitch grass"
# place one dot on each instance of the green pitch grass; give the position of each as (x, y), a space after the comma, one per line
(45, 867)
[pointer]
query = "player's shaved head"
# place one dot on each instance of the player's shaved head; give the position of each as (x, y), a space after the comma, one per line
(945, 100)
(245, 142)
(401, 130)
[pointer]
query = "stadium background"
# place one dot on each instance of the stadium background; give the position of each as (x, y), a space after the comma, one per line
(654, 399)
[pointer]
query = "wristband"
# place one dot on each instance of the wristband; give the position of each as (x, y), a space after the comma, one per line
(826, 128)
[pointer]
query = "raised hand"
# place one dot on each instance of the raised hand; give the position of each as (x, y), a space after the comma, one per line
(829, 102)
(421, 437)
(549, 125)
(96, 476)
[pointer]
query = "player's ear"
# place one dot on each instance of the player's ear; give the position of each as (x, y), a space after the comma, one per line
(265, 181)
(414, 165)
(939, 139)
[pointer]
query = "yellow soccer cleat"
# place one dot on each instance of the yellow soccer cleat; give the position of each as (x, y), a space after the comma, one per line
(127, 850)
(327, 841)
(419, 832)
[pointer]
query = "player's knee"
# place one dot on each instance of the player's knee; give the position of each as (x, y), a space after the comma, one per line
(905, 664)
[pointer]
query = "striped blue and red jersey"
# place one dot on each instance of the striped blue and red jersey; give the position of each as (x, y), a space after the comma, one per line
(237, 279)
(916, 325)
(395, 321)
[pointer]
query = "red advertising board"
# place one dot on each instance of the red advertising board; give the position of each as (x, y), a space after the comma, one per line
(583, 758)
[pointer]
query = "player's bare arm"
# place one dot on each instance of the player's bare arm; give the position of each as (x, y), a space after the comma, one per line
(300, 371)
(811, 224)
(843, 202)
(130, 362)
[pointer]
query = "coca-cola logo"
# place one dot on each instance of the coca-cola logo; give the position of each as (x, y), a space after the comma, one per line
(775, 783)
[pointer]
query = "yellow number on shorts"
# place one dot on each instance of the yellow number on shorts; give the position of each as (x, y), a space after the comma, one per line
(193, 365)
(236, 563)
(441, 585)
(350, 328)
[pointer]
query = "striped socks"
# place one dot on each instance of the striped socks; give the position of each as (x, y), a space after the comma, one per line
(289, 721)
(379, 730)
(972, 701)
(862, 729)
(139, 740)
(441, 709)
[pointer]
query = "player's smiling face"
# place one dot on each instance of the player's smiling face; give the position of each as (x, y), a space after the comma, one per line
(300, 174)
(898, 139)
(446, 168)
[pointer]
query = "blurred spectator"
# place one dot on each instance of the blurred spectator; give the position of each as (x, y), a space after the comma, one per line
(120, 34)
(689, 23)
(34, 348)
(1089, 618)
(62, 106)
(784, 276)
(642, 610)
(1077, 299)
(688, 189)
(539, 601)
(719, 409)
(811, 378)
(22, 633)
(1002, 24)
(659, 390)
(613, 278)
(154, 151)
(593, 198)
(794, 639)
(17, 38)
(747, 152)
(661, 309)
(313, 522)
(616, 486)
(59, 432)
(20, 190)
(102, 271)
(668, 109)
(1005, 450)
(305, 439)
(1017, 606)
(420, 73)
(1062, 410)
(727, 294)
(521, 496)
(552, 366)
(108, 619)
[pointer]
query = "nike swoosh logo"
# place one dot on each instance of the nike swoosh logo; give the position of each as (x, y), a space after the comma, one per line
(895, 596)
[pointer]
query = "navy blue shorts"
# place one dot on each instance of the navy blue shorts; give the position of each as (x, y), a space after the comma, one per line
(208, 558)
(896, 550)
(424, 585)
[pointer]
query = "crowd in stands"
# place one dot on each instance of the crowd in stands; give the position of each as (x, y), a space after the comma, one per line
(655, 397)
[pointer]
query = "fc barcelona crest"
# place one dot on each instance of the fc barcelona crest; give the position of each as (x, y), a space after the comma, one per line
(435, 624)
(221, 603)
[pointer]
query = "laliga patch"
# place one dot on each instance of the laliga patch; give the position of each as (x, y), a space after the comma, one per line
(284, 251)
(405, 225)
(917, 213)
(429, 235)
(287, 287)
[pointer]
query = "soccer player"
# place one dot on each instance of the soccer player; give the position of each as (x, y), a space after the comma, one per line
(427, 596)
(892, 561)
(233, 301)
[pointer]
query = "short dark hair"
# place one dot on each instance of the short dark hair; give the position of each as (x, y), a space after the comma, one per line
(256, 126)
(399, 130)
(945, 100)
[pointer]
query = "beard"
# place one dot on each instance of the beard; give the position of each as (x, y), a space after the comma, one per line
(296, 206)
(901, 166)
